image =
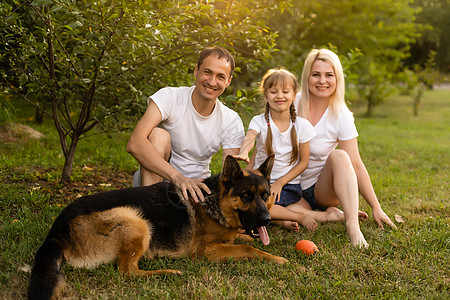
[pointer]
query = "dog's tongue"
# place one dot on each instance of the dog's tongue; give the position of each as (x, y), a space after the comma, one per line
(263, 235)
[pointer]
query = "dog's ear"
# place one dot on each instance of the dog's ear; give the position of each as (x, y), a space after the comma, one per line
(266, 167)
(231, 170)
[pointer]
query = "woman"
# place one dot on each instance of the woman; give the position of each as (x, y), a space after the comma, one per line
(333, 176)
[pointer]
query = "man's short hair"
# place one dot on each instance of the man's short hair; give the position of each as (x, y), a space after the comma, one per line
(220, 53)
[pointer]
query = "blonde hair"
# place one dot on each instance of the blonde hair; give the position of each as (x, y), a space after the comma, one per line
(272, 78)
(337, 100)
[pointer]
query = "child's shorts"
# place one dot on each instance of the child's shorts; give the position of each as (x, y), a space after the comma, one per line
(308, 195)
(290, 193)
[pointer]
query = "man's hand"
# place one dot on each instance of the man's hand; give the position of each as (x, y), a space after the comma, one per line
(192, 185)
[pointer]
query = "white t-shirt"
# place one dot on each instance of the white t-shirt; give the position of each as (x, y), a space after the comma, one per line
(281, 144)
(195, 138)
(329, 132)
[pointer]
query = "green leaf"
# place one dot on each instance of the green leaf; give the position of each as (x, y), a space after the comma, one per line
(42, 2)
(23, 79)
(115, 15)
(56, 7)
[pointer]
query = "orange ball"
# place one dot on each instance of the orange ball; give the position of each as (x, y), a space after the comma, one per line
(306, 247)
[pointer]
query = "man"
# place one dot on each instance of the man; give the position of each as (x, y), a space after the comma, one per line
(192, 126)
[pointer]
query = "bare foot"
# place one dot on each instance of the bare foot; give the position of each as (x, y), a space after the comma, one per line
(334, 214)
(362, 215)
(309, 223)
(289, 225)
(357, 238)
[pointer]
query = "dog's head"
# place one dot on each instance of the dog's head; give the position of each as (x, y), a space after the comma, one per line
(246, 197)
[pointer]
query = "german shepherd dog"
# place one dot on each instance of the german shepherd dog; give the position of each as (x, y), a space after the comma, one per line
(127, 224)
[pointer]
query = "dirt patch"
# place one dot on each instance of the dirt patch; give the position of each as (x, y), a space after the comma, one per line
(92, 180)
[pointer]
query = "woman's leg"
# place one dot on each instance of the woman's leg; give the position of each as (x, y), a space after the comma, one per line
(338, 184)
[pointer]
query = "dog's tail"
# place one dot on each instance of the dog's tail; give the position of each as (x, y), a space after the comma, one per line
(46, 280)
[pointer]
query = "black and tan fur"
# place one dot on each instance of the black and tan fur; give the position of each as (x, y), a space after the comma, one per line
(124, 225)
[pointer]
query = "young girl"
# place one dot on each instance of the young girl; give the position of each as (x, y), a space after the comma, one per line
(281, 132)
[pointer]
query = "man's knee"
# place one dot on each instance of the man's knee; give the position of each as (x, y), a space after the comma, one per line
(160, 138)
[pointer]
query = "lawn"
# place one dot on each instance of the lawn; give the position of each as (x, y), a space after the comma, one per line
(407, 158)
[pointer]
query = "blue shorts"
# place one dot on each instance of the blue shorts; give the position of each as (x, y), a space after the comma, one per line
(290, 193)
(308, 195)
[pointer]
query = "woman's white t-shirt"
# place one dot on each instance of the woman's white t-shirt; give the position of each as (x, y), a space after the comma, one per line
(281, 145)
(329, 132)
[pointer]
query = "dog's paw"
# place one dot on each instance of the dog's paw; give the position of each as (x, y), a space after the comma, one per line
(280, 260)
(245, 238)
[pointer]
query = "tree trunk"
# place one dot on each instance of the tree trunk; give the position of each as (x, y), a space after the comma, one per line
(68, 163)
(417, 100)
(369, 106)
(416, 108)
(67, 169)
(39, 116)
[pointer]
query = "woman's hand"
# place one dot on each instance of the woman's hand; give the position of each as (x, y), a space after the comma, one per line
(381, 217)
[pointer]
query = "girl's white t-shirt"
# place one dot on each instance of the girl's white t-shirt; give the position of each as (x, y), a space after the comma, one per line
(282, 145)
(329, 132)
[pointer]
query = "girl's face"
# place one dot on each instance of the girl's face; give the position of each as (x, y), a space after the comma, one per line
(280, 97)
(322, 80)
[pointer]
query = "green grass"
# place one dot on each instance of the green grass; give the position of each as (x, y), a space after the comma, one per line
(407, 158)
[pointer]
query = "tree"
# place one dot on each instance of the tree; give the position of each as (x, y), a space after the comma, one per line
(94, 63)
(434, 15)
(374, 84)
(418, 79)
(381, 30)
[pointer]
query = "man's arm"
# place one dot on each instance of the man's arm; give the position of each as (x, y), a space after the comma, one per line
(152, 160)
(143, 150)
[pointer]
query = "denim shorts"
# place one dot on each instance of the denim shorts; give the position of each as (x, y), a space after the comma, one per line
(290, 193)
(308, 195)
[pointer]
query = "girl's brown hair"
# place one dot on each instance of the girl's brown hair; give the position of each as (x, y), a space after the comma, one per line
(270, 79)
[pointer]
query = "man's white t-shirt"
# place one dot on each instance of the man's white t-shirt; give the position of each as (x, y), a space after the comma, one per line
(329, 132)
(195, 138)
(281, 144)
